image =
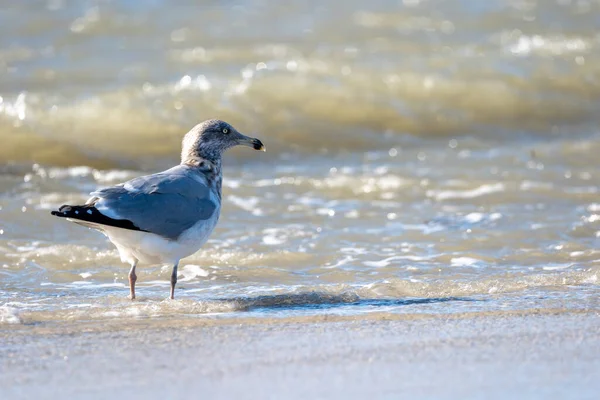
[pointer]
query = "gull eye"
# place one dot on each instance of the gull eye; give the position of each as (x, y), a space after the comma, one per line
(225, 130)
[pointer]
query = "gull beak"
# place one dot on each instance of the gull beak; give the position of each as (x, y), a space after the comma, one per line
(251, 142)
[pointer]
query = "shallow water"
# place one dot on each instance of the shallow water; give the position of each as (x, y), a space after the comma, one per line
(423, 156)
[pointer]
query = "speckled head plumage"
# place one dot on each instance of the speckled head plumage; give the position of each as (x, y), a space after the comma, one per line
(209, 139)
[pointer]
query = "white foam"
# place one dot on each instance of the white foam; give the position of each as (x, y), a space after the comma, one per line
(526, 45)
(557, 267)
(71, 172)
(9, 315)
(341, 262)
(190, 272)
(113, 175)
(463, 261)
(467, 194)
(594, 207)
(592, 218)
(246, 203)
(387, 261)
(495, 216)
(474, 218)
(272, 240)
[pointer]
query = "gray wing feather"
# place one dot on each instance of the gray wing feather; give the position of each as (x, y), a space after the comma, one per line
(167, 203)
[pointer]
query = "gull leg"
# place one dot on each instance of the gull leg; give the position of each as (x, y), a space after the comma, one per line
(132, 279)
(174, 280)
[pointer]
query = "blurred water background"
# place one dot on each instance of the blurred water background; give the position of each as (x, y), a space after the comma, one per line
(424, 156)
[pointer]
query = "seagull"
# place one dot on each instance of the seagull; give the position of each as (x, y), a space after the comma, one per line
(164, 217)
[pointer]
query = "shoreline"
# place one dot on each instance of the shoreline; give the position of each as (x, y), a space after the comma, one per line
(27, 327)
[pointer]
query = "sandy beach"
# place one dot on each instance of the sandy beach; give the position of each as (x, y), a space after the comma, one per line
(554, 354)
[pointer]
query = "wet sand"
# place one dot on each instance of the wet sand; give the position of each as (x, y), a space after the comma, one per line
(530, 354)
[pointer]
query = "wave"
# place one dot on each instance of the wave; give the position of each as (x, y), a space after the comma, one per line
(302, 112)
(391, 294)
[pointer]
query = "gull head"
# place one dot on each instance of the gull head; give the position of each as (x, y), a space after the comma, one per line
(209, 139)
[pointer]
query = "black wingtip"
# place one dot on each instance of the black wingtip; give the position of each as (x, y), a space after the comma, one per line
(63, 211)
(89, 213)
